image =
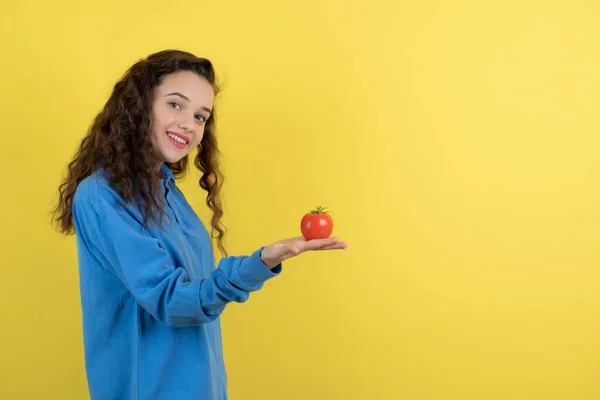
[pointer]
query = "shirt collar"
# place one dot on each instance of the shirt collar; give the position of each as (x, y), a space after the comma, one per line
(166, 173)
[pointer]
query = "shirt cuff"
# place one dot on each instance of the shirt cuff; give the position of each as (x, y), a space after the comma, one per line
(254, 271)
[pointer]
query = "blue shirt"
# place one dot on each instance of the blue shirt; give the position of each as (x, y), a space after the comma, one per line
(151, 299)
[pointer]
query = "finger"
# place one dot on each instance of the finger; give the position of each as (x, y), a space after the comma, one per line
(289, 250)
(293, 250)
(336, 246)
(315, 244)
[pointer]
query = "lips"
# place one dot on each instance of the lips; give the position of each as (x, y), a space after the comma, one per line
(178, 139)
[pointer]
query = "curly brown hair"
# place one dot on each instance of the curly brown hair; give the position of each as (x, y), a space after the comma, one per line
(119, 141)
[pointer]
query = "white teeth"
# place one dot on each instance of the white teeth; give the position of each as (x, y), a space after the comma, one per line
(176, 138)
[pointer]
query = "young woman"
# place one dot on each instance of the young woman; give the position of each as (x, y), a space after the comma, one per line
(151, 293)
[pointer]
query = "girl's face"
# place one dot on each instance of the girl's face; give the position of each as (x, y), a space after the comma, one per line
(182, 104)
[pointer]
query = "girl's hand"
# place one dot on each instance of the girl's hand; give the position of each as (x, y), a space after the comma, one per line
(277, 252)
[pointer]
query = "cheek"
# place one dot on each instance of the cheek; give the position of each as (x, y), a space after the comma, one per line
(156, 135)
(159, 123)
(157, 126)
(198, 138)
(196, 142)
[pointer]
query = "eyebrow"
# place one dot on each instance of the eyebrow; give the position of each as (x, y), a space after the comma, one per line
(208, 110)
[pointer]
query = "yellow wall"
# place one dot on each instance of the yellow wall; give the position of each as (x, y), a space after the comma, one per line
(456, 141)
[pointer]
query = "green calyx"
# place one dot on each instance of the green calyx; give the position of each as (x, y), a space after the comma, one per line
(319, 210)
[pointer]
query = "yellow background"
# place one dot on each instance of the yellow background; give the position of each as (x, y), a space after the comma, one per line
(456, 141)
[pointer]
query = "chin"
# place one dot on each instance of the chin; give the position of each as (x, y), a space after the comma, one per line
(173, 157)
(173, 160)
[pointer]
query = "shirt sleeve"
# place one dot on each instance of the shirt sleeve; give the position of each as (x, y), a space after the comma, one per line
(125, 248)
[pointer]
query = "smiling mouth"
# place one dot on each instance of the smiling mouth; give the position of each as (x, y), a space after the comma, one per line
(177, 140)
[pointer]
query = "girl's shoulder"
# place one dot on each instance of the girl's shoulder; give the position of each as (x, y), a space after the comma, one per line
(96, 188)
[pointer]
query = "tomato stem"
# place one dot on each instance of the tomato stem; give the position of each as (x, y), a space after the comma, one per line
(320, 210)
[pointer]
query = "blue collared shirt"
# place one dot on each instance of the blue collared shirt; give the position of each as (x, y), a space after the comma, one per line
(151, 298)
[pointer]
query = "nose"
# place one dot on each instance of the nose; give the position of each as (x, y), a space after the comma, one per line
(186, 123)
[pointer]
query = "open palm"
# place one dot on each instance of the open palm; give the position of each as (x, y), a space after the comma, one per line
(284, 249)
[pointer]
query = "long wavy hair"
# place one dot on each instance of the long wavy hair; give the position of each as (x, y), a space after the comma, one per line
(119, 142)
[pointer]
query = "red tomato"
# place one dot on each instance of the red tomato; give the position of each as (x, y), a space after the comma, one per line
(316, 224)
